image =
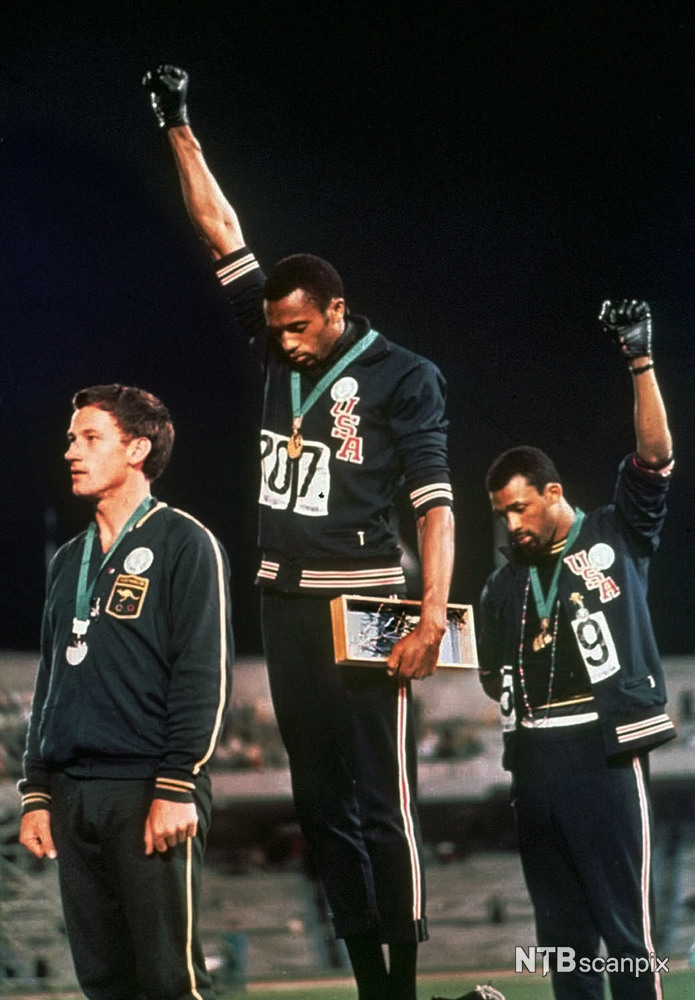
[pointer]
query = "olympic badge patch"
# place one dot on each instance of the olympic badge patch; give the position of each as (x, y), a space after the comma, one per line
(127, 596)
(138, 560)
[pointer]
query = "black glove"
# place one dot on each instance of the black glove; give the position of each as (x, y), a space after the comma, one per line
(629, 323)
(168, 87)
(479, 993)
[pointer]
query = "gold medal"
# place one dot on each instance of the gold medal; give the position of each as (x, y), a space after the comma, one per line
(295, 443)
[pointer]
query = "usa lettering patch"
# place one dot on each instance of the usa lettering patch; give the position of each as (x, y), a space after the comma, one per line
(345, 427)
(594, 578)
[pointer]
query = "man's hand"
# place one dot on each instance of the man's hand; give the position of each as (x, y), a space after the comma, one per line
(415, 655)
(168, 89)
(169, 824)
(629, 323)
(35, 833)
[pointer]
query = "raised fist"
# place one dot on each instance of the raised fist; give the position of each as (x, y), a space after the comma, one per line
(629, 323)
(168, 88)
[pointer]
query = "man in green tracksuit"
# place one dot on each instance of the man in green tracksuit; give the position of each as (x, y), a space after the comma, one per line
(130, 695)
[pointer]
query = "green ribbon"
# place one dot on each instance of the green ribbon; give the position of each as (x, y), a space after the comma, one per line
(85, 590)
(299, 408)
(544, 603)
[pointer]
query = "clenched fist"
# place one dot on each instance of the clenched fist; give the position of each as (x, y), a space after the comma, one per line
(168, 89)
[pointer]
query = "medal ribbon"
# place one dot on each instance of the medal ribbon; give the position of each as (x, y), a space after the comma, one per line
(299, 408)
(545, 603)
(84, 593)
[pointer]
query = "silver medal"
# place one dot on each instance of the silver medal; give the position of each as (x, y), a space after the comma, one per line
(76, 654)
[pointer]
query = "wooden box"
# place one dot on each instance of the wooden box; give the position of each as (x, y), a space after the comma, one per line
(365, 630)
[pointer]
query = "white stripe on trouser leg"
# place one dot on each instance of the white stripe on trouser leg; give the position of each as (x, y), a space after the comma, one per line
(646, 865)
(407, 803)
(189, 918)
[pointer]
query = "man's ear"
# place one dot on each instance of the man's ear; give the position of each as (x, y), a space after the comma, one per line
(553, 492)
(337, 308)
(138, 450)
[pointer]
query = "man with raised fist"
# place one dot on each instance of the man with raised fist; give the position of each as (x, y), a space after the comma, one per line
(567, 648)
(348, 417)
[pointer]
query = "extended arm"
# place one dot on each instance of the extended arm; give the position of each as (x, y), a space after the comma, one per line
(629, 323)
(213, 217)
(654, 446)
(416, 655)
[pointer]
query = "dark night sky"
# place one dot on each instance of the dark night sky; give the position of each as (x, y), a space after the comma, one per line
(482, 174)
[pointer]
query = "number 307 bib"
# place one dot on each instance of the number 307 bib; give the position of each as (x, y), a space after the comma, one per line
(301, 484)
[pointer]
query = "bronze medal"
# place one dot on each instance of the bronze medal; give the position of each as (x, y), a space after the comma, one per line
(543, 638)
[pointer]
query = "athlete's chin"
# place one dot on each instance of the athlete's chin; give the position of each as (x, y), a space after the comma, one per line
(82, 489)
(306, 363)
(302, 362)
(528, 545)
(526, 541)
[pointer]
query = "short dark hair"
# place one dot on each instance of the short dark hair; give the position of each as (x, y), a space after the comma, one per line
(313, 275)
(531, 463)
(138, 414)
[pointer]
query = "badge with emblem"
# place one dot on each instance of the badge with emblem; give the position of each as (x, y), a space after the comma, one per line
(127, 596)
(601, 555)
(345, 388)
(138, 560)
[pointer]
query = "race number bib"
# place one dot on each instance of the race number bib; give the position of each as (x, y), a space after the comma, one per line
(596, 645)
(301, 485)
(507, 709)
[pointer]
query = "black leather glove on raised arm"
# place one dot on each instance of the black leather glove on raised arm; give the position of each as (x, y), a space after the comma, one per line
(629, 323)
(168, 89)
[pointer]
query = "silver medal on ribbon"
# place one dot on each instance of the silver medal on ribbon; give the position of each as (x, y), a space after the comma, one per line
(76, 654)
